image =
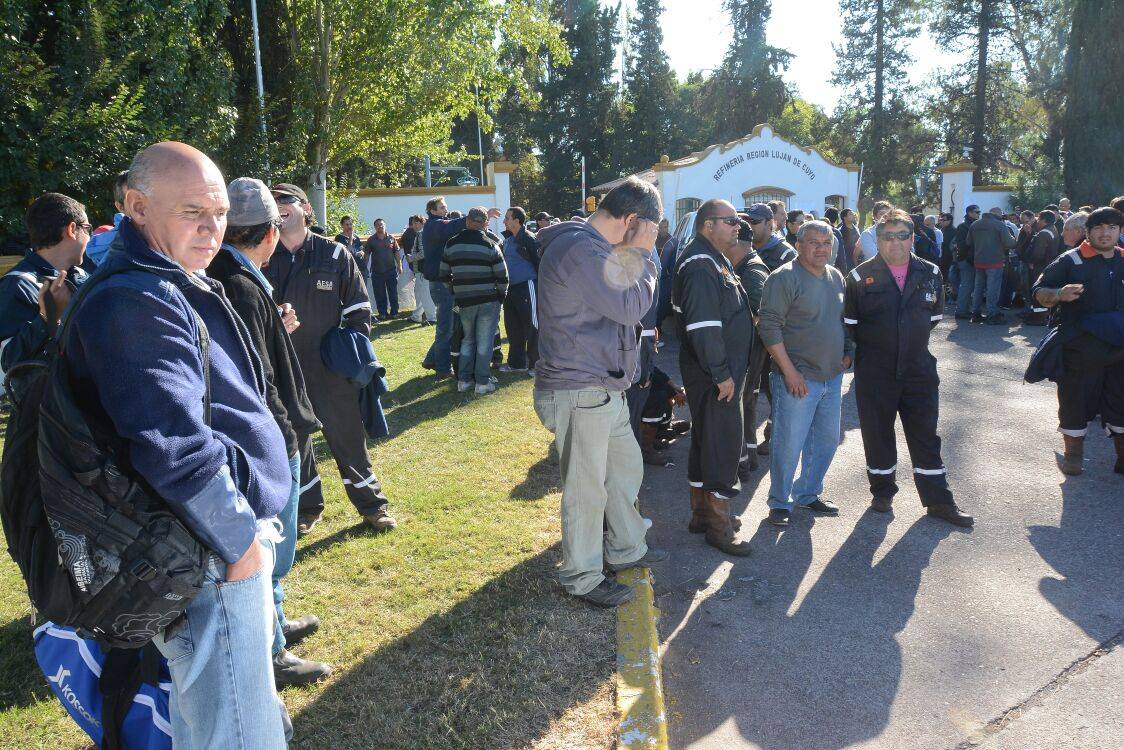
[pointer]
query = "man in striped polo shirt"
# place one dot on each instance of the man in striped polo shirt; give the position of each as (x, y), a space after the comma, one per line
(473, 267)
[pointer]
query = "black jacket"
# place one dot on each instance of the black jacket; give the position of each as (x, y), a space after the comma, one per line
(712, 312)
(286, 394)
(891, 328)
(527, 243)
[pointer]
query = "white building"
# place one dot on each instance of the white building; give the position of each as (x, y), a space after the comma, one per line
(958, 191)
(756, 169)
(397, 205)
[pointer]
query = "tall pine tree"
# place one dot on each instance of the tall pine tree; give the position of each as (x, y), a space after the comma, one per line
(1094, 139)
(581, 101)
(650, 92)
(871, 64)
(747, 89)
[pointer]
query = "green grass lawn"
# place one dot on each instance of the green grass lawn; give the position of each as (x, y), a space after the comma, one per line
(449, 632)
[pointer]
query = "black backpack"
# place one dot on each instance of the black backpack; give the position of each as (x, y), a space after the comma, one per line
(98, 549)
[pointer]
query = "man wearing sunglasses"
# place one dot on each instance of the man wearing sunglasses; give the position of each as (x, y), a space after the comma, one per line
(892, 302)
(715, 333)
(35, 292)
(322, 281)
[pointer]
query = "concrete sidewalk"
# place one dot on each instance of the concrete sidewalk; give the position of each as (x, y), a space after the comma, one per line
(902, 632)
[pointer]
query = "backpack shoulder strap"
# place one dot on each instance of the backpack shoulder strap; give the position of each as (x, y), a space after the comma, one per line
(202, 338)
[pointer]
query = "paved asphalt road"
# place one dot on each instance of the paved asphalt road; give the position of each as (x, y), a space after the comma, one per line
(868, 631)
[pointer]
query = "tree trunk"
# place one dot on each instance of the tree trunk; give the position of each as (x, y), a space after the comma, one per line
(979, 120)
(877, 112)
(1093, 150)
(317, 150)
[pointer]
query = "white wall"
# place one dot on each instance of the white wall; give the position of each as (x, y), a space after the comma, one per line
(957, 192)
(396, 206)
(762, 161)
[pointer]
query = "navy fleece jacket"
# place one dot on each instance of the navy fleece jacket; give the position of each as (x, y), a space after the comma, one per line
(132, 349)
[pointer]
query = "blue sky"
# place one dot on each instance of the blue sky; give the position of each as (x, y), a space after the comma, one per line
(696, 34)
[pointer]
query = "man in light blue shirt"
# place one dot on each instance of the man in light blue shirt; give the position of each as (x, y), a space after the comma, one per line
(868, 242)
(98, 245)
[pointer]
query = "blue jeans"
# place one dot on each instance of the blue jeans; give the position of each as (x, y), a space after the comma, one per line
(439, 352)
(222, 675)
(384, 290)
(967, 277)
(480, 324)
(805, 430)
(285, 551)
(992, 279)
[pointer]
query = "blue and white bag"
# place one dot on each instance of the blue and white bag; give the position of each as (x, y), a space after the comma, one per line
(74, 665)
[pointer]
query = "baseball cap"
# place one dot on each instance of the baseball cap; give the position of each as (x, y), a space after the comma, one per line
(289, 189)
(251, 203)
(972, 208)
(1104, 215)
(759, 211)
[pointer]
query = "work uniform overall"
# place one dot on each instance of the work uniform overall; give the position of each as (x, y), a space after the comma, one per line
(323, 283)
(715, 334)
(752, 272)
(895, 375)
(773, 256)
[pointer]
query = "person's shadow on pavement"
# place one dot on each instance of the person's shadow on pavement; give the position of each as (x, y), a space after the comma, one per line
(826, 675)
(1085, 549)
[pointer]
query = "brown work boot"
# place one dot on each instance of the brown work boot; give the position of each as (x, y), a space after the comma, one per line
(720, 527)
(698, 517)
(1119, 440)
(381, 520)
(1073, 462)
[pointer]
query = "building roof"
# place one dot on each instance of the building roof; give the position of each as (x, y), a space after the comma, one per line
(649, 175)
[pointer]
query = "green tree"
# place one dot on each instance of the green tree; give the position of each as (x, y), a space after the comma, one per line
(747, 89)
(650, 91)
(580, 113)
(377, 80)
(87, 84)
(1094, 140)
(871, 64)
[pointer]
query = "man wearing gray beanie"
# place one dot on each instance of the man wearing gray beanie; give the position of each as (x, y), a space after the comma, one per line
(252, 232)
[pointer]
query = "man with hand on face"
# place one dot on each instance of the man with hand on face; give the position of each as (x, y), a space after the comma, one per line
(802, 327)
(34, 294)
(716, 333)
(133, 349)
(596, 280)
(322, 282)
(892, 303)
(1086, 283)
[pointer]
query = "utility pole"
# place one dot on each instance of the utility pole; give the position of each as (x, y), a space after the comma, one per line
(583, 182)
(261, 87)
(479, 136)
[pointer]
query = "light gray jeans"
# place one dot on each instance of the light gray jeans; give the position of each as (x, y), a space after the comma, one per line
(601, 476)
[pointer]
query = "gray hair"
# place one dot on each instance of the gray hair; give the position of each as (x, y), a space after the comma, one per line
(819, 227)
(1076, 221)
(141, 172)
(931, 216)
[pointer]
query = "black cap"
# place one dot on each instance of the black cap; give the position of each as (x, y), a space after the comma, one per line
(283, 189)
(1104, 215)
(972, 208)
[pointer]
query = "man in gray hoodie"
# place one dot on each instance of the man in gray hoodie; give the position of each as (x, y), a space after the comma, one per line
(989, 238)
(597, 279)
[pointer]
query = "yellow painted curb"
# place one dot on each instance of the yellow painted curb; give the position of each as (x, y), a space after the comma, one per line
(641, 716)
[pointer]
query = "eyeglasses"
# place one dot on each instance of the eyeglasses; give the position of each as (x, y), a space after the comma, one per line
(730, 221)
(288, 200)
(755, 222)
(85, 227)
(904, 234)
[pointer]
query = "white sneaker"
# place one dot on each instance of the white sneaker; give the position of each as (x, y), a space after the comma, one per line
(494, 381)
(464, 385)
(484, 390)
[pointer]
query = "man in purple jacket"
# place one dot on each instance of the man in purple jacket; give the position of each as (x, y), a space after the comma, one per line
(133, 351)
(597, 279)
